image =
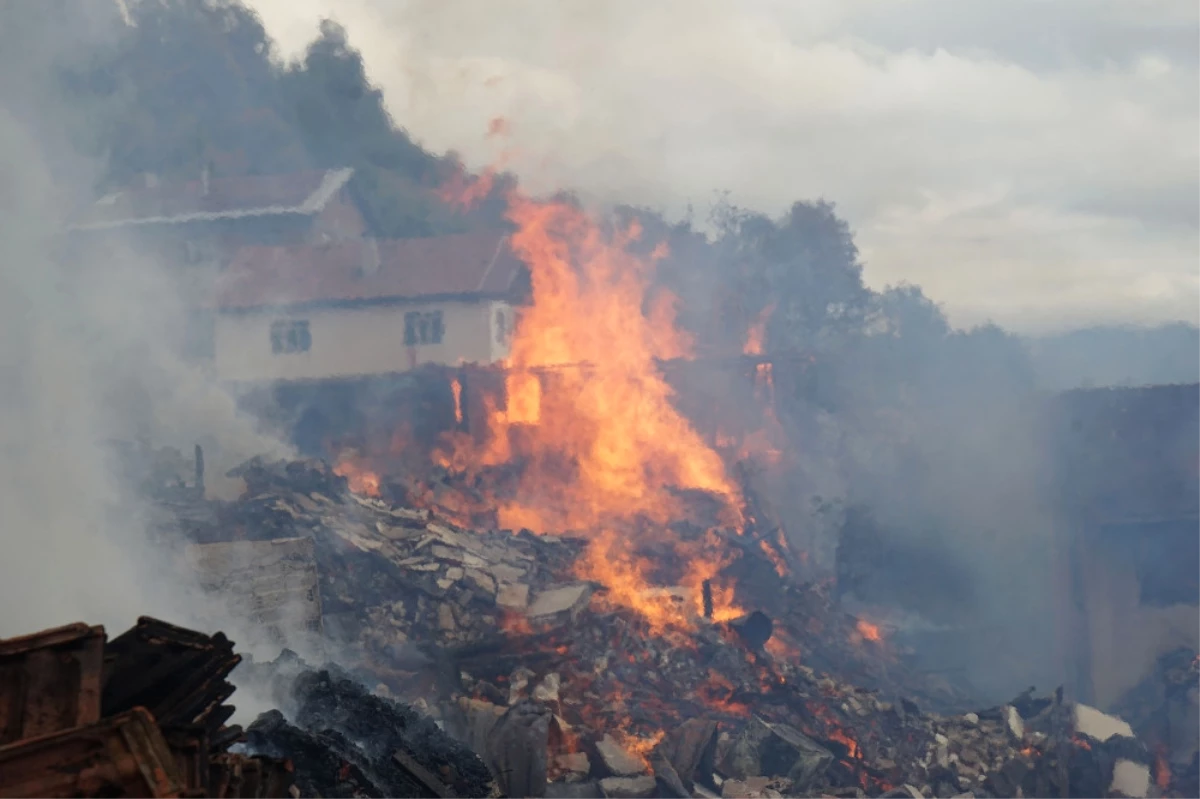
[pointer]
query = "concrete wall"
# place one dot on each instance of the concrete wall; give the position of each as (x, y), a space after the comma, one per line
(356, 341)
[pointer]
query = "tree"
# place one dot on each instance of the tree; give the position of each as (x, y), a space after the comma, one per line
(187, 85)
(804, 264)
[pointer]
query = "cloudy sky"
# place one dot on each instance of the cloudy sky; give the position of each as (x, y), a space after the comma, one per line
(1034, 162)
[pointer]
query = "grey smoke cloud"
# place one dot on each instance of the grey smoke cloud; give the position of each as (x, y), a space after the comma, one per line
(87, 355)
(1032, 163)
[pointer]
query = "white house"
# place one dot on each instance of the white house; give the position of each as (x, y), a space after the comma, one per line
(360, 307)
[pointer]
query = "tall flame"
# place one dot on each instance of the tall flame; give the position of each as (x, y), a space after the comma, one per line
(588, 412)
(757, 334)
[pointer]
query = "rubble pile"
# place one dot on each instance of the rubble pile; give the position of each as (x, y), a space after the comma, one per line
(344, 741)
(145, 715)
(1164, 712)
(563, 693)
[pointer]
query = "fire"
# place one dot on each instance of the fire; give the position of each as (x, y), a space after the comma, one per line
(841, 737)
(641, 747)
(465, 191)
(1162, 769)
(360, 479)
(717, 693)
(456, 390)
(757, 334)
(588, 414)
(869, 632)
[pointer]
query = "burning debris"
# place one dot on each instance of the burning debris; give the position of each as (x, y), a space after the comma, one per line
(564, 691)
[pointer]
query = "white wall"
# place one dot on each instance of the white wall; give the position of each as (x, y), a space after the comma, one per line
(348, 342)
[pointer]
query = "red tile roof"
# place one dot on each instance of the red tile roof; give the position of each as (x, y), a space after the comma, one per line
(464, 264)
(226, 198)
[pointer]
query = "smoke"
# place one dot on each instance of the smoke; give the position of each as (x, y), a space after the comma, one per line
(89, 354)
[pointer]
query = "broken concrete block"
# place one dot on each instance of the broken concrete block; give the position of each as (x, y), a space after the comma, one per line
(1101, 726)
(547, 689)
(1130, 779)
(574, 763)
(617, 760)
(628, 787)
(573, 790)
(1014, 722)
(743, 789)
(776, 750)
(563, 602)
(513, 596)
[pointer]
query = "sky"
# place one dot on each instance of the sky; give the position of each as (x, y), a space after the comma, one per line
(1028, 162)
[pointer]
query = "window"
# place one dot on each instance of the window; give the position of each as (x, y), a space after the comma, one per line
(290, 336)
(423, 327)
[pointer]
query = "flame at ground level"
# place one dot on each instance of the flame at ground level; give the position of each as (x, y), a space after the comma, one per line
(360, 479)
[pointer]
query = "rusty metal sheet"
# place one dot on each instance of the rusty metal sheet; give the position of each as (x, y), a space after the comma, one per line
(122, 756)
(50, 681)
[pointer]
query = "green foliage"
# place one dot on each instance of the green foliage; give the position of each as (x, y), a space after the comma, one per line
(194, 85)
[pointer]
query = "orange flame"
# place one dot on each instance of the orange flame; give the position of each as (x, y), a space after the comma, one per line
(757, 334)
(1162, 770)
(464, 191)
(456, 390)
(588, 413)
(360, 479)
(869, 632)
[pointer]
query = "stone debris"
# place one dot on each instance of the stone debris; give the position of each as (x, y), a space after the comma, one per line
(616, 760)
(1130, 779)
(628, 787)
(561, 693)
(561, 603)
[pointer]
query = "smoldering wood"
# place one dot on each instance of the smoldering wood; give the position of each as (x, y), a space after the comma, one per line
(402, 574)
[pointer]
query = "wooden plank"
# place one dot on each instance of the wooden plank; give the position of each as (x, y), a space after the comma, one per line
(50, 681)
(122, 756)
